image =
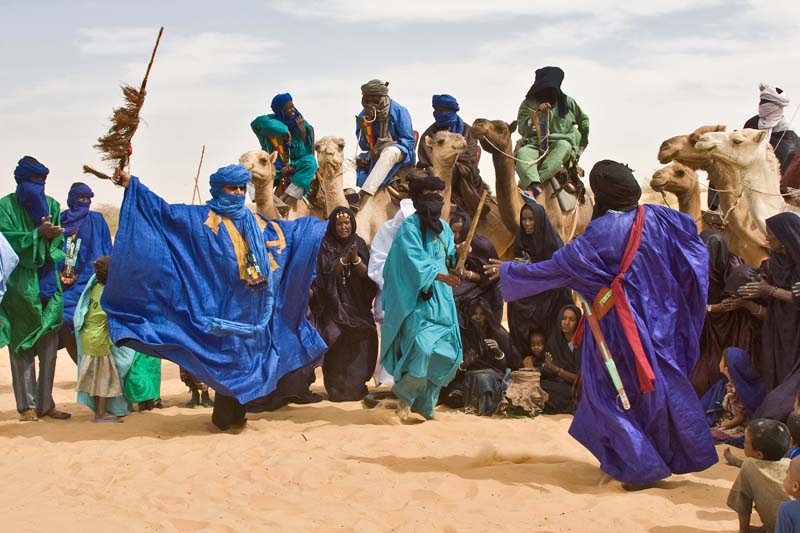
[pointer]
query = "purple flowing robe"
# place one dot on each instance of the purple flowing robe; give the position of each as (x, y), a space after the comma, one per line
(665, 431)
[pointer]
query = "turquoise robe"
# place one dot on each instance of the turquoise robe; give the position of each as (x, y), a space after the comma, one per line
(421, 342)
(301, 152)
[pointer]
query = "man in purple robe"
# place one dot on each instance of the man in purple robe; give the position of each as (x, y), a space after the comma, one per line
(652, 331)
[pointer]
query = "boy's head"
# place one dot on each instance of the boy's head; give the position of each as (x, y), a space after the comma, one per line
(793, 423)
(536, 342)
(101, 268)
(766, 439)
(791, 483)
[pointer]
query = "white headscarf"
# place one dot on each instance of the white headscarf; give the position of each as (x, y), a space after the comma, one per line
(770, 109)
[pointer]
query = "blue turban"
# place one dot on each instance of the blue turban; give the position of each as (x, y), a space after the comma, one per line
(78, 212)
(30, 193)
(446, 101)
(232, 206)
(447, 119)
(27, 167)
(277, 105)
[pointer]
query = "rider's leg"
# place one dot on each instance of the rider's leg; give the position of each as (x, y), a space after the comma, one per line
(558, 156)
(390, 156)
(527, 170)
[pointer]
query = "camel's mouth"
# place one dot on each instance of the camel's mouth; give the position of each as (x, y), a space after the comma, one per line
(658, 184)
(666, 152)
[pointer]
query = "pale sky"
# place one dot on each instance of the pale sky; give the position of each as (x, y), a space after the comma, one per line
(642, 71)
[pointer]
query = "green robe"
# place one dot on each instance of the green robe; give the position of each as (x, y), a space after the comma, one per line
(21, 306)
(302, 152)
(421, 342)
(573, 127)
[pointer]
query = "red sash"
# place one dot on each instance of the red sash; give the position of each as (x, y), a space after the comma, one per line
(620, 302)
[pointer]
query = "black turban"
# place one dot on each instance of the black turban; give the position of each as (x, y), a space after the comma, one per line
(614, 187)
(424, 183)
(547, 88)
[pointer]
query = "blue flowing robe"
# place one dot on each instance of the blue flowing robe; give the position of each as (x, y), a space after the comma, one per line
(665, 431)
(421, 342)
(401, 130)
(95, 242)
(176, 290)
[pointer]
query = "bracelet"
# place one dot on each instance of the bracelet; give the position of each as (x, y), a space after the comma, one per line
(773, 291)
(342, 262)
(357, 262)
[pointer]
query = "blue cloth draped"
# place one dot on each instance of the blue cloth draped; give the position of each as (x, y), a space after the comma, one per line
(665, 431)
(95, 242)
(449, 120)
(175, 291)
(278, 102)
(78, 211)
(27, 167)
(750, 387)
(401, 130)
(232, 206)
(445, 101)
(123, 358)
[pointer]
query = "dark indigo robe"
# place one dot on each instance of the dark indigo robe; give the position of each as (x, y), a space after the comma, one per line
(665, 431)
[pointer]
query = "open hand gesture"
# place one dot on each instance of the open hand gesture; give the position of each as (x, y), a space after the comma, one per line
(492, 270)
(48, 230)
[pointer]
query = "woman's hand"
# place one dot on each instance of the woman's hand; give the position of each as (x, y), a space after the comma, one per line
(492, 270)
(352, 254)
(756, 289)
(449, 279)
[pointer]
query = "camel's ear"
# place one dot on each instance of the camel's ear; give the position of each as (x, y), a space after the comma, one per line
(722, 127)
(273, 157)
(340, 142)
(760, 136)
(429, 141)
(512, 127)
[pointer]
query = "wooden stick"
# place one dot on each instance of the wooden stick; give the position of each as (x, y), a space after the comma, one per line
(462, 257)
(152, 57)
(197, 177)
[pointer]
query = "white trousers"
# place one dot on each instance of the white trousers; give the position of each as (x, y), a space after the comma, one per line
(390, 156)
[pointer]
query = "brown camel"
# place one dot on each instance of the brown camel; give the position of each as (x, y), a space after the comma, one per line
(681, 181)
(495, 138)
(745, 236)
(445, 149)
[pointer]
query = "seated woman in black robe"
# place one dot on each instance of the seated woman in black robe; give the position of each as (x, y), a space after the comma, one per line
(731, 321)
(562, 364)
(341, 306)
(488, 355)
(536, 241)
(780, 335)
(475, 283)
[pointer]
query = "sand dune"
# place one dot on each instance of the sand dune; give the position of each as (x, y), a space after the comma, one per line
(325, 467)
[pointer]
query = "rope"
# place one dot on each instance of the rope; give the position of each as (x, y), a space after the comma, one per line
(664, 197)
(523, 161)
(788, 127)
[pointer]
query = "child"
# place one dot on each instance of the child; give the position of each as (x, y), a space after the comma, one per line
(759, 482)
(98, 375)
(536, 343)
(793, 423)
(789, 512)
(733, 420)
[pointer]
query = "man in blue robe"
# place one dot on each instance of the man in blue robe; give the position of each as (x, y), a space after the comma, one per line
(385, 134)
(86, 238)
(421, 342)
(215, 289)
(652, 331)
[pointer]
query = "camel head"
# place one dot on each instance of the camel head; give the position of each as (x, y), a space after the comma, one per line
(330, 152)
(682, 148)
(740, 148)
(261, 165)
(445, 147)
(675, 178)
(494, 133)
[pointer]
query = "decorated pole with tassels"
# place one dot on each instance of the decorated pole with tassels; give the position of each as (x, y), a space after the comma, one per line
(115, 145)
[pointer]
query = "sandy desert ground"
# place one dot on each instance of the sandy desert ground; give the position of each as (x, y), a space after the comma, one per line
(324, 467)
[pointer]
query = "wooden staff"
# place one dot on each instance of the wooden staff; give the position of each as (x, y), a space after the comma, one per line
(462, 256)
(115, 145)
(196, 193)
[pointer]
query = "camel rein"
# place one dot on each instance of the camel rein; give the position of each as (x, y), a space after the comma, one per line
(523, 161)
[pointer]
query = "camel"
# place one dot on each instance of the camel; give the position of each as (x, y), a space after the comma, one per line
(745, 234)
(681, 181)
(261, 165)
(445, 147)
(495, 138)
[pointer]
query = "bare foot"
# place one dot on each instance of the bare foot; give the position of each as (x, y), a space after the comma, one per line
(732, 459)
(108, 419)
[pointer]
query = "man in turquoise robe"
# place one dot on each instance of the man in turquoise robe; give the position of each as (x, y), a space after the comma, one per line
(421, 342)
(296, 162)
